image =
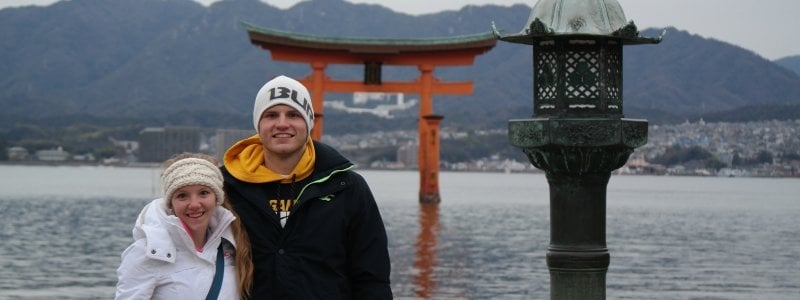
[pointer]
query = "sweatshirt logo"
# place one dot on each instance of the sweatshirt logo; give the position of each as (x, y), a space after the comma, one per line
(282, 208)
(281, 205)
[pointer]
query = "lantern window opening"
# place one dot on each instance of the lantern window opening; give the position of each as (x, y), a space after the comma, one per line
(579, 106)
(547, 43)
(582, 42)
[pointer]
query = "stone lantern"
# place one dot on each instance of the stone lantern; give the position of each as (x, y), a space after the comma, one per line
(578, 133)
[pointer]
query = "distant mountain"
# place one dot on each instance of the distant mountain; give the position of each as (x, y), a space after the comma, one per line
(176, 62)
(755, 113)
(790, 62)
(688, 75)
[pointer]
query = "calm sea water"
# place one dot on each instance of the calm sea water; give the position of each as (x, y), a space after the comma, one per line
(62, 230)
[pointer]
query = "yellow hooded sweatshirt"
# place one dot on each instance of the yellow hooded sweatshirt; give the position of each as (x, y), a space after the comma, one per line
(245, 161)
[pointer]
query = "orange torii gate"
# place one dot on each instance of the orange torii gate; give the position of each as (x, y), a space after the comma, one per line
(373, 53)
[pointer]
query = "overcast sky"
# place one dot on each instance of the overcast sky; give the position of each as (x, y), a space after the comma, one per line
(767, 27)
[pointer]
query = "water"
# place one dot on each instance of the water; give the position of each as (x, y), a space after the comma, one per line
(62, 230)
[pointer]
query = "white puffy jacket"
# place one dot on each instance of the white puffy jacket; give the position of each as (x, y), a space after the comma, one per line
(162, 262)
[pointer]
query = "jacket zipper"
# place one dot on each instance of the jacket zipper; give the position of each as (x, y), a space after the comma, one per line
(321, 180)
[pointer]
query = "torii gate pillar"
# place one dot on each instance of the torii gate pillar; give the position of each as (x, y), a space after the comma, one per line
(317, 94)
(428, 151)
(428, 159)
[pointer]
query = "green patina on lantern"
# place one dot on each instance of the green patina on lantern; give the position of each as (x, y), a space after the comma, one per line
(578, 133)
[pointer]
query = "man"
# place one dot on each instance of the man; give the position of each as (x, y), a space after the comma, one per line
(315, 229)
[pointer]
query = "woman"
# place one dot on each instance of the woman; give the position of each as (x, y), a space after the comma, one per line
(180, 238)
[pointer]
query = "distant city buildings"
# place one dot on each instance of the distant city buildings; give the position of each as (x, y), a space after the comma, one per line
(54, 155)
(407, 155)
(225, 138)
(17, 153)
(773, 145)
(778, 140)
(157, 144)
(378, 104)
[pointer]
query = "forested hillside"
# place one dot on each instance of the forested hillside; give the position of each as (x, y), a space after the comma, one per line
(176, 62)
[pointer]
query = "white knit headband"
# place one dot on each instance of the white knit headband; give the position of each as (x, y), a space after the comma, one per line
(191, 171)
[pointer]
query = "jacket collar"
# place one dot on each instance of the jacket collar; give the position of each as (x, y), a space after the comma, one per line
(164, 234)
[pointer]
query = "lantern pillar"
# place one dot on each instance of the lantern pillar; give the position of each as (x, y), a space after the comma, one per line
(578, 133)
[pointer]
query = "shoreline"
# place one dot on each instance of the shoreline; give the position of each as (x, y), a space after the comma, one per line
(534, 171)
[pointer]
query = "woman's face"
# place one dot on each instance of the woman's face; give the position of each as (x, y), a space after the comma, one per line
(194, 205)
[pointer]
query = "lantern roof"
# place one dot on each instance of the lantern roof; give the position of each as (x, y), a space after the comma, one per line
(589, 18)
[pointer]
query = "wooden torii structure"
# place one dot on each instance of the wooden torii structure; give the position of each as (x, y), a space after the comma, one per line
(374, 53)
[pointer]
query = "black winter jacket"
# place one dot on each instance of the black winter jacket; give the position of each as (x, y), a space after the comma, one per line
(334, 244)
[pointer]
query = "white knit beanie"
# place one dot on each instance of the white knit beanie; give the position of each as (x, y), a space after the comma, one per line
(191, 171)
(284, 90)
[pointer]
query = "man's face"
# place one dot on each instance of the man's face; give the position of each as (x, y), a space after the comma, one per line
(283, 131)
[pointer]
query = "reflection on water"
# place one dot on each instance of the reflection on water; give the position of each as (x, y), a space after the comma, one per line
(669, 237)
(426, 249)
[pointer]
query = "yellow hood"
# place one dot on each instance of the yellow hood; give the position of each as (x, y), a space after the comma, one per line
(245, 161)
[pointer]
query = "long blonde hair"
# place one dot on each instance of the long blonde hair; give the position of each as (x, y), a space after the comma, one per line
(244, 262)
(243, 257)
